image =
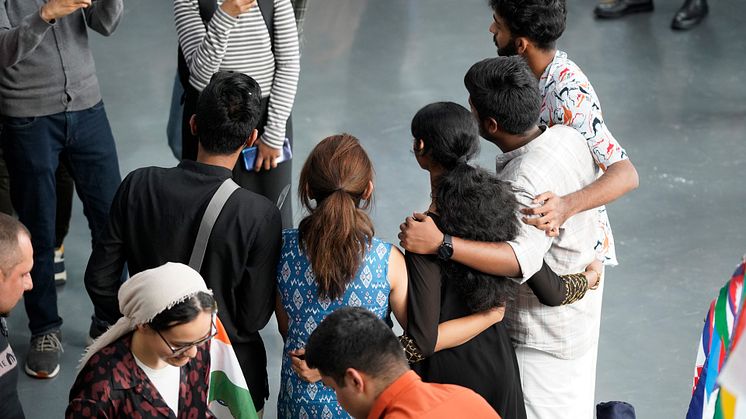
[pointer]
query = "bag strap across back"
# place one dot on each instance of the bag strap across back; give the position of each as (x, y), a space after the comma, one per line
(212, 212)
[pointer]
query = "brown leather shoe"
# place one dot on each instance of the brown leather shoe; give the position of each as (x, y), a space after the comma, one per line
(612, 9)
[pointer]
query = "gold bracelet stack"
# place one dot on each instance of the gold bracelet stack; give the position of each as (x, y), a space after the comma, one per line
(411, 350)
(576, 286)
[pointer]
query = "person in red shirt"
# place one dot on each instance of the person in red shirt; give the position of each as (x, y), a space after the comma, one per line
(359, 357)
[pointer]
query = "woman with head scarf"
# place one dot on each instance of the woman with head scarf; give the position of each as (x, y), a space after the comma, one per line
(154, 362)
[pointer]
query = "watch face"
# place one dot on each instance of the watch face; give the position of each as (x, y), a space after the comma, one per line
(445, 251)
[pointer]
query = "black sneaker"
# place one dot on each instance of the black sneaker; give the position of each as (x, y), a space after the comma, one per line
(60, 274)
(43, 360)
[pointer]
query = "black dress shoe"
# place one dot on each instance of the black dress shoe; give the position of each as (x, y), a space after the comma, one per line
(612, 9)
(690, 14)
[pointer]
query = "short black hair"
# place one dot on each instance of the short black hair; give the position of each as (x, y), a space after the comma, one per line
(448, 131)
(504, 88)
(541, 21)
(183, 312)
(10, 253)
(353, 337)
(228, 110)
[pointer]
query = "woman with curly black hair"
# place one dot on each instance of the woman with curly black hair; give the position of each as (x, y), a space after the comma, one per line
(468, 202)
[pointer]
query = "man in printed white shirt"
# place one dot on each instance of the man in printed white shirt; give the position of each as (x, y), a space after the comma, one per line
(530, 29)
(556, 347)
(259, 39)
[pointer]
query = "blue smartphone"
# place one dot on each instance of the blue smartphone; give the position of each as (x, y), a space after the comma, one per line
(249, 158)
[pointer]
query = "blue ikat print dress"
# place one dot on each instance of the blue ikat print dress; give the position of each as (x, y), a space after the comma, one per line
(297, 286)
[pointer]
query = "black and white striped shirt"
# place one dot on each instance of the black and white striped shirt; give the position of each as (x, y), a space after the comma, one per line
(243, 44)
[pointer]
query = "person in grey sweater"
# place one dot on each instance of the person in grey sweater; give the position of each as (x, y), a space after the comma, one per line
(50, 103)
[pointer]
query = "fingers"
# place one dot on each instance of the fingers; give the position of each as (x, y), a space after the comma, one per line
(544, 196)
(542, 223)
(419, 216)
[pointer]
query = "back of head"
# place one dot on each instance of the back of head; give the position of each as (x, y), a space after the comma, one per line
(228, 110)
(337, 231)
(10, 253)
(504, 89)
(353, 337)
(471, 203)
(448, 131)
(541, 21)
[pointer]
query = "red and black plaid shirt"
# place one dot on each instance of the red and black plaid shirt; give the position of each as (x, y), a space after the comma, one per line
(111, 385)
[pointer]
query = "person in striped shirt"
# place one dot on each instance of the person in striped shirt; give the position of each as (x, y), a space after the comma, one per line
(241, 37)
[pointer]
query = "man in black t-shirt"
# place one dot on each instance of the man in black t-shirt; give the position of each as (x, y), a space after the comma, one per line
(16, 260)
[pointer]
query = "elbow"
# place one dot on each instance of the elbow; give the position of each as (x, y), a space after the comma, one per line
(633, 178)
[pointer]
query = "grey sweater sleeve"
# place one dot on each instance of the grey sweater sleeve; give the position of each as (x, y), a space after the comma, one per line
(16, 43)
(103, 16)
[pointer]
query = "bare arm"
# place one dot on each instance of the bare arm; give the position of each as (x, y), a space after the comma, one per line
(619, 176)
(419, 234)
(281, 316)
(619, 179)
(397, 277)
(459, 331)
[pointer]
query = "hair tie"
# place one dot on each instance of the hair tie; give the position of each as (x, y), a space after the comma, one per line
(462, 160)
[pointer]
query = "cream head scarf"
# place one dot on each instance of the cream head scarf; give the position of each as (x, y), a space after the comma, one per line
(146, 295)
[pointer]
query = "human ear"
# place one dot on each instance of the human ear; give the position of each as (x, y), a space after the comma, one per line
(193, 125)
(355, 379)
(252, 138)
(521, 45)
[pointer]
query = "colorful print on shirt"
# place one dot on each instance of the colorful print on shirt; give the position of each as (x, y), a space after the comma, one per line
(569, 99)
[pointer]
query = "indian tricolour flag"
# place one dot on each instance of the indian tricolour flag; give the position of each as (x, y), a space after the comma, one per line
(229, 396)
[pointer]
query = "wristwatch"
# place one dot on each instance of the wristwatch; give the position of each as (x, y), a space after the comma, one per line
(445, 251)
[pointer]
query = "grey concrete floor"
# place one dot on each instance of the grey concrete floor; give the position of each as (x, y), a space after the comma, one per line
(674, 100)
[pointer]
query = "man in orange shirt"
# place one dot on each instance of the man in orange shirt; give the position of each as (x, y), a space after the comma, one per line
(361, 359)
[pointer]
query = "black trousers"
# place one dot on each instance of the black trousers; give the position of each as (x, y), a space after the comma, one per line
(266, 183)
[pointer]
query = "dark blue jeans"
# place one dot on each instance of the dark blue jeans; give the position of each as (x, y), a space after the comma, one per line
(32, 148)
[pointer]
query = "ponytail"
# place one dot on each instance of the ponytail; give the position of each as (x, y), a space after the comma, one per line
(337, 232)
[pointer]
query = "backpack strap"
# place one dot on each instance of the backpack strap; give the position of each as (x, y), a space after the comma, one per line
(208, 222)
(267, 7)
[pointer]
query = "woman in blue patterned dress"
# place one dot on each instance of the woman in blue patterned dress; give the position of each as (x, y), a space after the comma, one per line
(351, 267)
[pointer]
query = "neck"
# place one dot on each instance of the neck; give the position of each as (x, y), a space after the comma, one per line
(222, 160)
(435, 174)
(140, 349)
(538, 60)
(381, 384)
(510, 142)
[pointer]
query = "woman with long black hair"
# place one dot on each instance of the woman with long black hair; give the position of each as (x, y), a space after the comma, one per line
(471, 203)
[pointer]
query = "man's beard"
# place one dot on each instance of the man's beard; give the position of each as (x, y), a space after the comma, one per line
(508, 50)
